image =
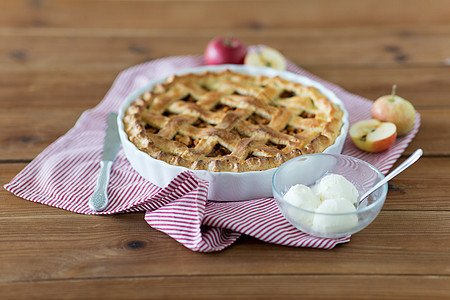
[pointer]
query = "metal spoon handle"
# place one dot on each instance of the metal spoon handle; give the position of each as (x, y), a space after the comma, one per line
(409, 161)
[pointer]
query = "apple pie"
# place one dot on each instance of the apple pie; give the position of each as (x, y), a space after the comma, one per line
(231, 122)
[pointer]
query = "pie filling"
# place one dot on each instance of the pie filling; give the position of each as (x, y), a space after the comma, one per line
(231, 122)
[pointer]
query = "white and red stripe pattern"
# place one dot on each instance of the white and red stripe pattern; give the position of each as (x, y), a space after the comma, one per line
(64, 176)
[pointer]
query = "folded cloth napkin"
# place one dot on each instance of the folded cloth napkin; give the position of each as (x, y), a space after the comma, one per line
(64, 175)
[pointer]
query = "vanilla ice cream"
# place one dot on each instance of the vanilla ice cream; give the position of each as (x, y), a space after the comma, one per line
(334, 186)
(302, 197)
(333, 194)
(334, 223)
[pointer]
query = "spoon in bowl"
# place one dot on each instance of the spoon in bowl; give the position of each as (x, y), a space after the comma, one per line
(408, 162)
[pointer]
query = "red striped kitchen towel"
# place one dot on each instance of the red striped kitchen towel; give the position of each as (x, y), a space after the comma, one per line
(64, 176)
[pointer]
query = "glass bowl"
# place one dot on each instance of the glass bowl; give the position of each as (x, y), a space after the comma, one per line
(308, 170)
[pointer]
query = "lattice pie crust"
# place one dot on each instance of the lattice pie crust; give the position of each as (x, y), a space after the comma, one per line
(231, 122)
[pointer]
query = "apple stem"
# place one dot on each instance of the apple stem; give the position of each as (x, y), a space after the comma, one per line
(228, 41)
(394, 89)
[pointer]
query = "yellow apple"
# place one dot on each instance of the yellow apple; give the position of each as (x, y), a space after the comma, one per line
(395, 109)
(373, 135)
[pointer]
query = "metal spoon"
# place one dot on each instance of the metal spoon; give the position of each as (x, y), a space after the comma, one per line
(409, 161)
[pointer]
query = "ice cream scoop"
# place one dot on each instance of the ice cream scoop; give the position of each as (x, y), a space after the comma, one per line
(334, 215)
(333, 194)
(334, 186)
(303, 197)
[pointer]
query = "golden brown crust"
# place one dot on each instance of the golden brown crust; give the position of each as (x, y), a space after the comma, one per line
(231, 122)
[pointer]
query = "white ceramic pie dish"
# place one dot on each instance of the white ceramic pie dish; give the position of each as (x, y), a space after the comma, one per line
(223, 186)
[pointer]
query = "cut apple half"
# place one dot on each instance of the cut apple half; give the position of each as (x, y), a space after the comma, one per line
(267, 57)
(371, 135)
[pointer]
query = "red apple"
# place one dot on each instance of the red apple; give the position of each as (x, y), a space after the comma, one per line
(372, 135)
(395, 109)
(225, 50)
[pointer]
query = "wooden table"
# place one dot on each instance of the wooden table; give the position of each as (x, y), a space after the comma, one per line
(59, 58)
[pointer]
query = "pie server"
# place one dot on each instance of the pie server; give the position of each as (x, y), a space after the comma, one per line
(99, 199)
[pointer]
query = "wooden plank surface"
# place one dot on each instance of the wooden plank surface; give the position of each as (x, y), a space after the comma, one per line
(339, 47)
(238, 287)
(64, 90)
(132, 249)
(58, 58)
(416, 210)
(219, 14)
